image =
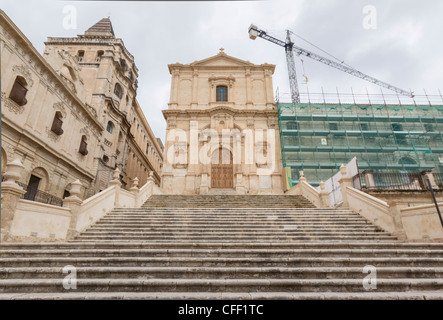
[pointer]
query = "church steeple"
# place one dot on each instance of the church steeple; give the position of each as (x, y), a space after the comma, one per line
(103, 28)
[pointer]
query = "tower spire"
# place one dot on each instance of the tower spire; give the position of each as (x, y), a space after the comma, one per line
(103, 28)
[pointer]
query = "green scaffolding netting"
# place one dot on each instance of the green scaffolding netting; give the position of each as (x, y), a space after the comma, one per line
(377, 145)
(361, 106)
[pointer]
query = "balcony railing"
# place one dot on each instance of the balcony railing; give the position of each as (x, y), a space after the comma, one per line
(39, 196)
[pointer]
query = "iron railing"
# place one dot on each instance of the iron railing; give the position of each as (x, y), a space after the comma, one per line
(394, 181)
(38, 195)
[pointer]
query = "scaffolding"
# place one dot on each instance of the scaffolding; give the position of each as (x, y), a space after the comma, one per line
(383, 132)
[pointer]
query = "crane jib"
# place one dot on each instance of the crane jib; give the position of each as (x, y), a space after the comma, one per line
(254, 32)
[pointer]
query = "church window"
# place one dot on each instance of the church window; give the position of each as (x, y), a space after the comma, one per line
(118, 90)
(83, 146)
(222, 93)
(18, 92)
(110, 127)
(81, 55)
(99, 55)
(57, 123)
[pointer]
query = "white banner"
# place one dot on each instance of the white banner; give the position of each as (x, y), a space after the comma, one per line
(333, 187)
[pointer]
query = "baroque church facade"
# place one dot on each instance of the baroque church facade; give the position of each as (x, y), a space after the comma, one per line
(72, 113)
(222, 129)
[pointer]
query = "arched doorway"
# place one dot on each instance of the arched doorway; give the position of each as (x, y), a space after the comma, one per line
(222, 171)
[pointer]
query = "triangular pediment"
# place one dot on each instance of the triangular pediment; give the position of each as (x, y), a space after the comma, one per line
(221, 60)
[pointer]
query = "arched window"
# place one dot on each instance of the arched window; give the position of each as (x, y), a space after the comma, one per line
(123, 64)
(83, 146)
(147, 148)
(57, 123)
(110, 127)
(19, 90)
(81, 55)
(406, 160)
(100, 53)
(118, 90)
(222, 93)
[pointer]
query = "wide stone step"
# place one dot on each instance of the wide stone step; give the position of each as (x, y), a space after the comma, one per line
(234, 238)
(274, 253)
(225, 245)
(219, 273)
(219, 285)
(371, 295)
(300, 262)
(221, 220)
(184, 228)
(247, 225)
(289, 232)
(232, 211)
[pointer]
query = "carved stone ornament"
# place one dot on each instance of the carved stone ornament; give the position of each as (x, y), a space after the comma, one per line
(59, 106)
(25, 72)
(52, 135)
(85, 131)
(11, 105)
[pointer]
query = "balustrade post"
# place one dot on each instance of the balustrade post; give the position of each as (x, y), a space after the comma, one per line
(74, 203)
(11, 193)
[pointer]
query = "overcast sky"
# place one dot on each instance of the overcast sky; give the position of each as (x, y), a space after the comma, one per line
(405, 49)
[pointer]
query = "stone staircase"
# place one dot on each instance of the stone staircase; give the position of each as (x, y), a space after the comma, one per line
(225, 247)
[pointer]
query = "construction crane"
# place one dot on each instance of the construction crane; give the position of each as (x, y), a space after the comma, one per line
(290, 48)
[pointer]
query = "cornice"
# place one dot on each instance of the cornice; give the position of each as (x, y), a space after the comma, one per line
(45, 146)
(27, 46)
(219, 109)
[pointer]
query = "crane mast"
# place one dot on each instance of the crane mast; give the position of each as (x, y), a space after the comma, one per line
(290, 48)
(295, 94)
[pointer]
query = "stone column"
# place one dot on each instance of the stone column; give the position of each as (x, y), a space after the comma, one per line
(369, 178)
(324, 196)
(248, 89)
(194, 100)
(10, 195)
(74, 203)
(345, 182)
(175, 84)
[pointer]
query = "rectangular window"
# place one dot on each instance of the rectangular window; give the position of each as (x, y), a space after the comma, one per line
(333, 126)
(364, 127)
(222, 93)
(18, 93)
(57, 126)
(83, 147)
